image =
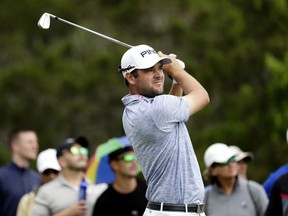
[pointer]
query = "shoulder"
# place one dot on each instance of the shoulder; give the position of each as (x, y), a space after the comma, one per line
(280, 171)
(98, 187)
(141, 184)
(34, 174)
(4, 170)
(49, 187)
(168, 98)
(251, 184)
(282, 179)
(258, 190)
(97, 190)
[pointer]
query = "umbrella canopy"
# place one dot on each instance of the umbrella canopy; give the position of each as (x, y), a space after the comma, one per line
(99, 170)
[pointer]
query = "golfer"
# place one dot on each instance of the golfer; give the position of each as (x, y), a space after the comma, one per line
(155, 125)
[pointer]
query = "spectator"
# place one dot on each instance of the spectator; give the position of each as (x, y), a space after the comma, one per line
(61, 195)
(242, 158)
(48, 167)
(127, 193)
(269, 182)
(16, 178)
(228, 194)
(278, 203)
(155, 125)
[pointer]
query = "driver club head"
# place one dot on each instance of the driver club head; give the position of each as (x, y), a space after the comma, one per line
(44, 21)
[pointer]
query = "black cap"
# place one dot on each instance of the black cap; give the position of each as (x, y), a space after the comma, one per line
(68, 143)
(113, 155)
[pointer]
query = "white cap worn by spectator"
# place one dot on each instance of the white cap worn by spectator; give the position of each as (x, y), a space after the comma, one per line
(217, 153)
(47, 160)
(240, 155)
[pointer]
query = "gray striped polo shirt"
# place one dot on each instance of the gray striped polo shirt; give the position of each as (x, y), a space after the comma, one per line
(157, 131)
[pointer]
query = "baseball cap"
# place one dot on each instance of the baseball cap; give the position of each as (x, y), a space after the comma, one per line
(47, 160)
(217, 153)
(240, 155)
(68, 143)
(140, 57)
(113, 155)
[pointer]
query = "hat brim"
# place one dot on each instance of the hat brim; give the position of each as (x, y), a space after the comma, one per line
(224, 159)
(247, 156)
(164, 60)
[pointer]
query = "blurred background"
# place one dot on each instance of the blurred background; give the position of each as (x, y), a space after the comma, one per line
(63, 82)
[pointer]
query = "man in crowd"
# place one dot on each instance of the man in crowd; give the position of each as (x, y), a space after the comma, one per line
(17, 179)
(278, 202)
(229, 194)
(126, 195)
(60, 197)
(242, 158)
(48, 167)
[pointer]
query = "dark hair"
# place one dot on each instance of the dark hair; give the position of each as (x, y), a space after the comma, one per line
(115, 154)
(14, 133)
(69, 142)
(208, 177)
(134, 73)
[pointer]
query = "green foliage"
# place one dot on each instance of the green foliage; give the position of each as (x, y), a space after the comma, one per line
(64, 81)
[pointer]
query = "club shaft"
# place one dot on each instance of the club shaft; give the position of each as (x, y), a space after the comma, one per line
(93, 32)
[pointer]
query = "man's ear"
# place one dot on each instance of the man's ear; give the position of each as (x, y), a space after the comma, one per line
(114, 165)
(130, 78)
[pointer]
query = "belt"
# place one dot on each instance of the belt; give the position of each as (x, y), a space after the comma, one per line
(196, 208)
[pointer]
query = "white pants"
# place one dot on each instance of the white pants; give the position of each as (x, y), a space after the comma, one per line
(149, 212)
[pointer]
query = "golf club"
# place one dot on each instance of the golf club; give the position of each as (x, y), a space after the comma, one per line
(44, 23)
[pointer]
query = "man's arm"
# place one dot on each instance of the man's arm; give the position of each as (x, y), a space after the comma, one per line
(176, 90)
(195, 94)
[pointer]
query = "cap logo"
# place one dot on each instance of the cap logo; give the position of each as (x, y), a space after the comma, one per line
(149, 52)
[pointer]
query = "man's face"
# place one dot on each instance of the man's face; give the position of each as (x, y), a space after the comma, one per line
(226, 170)
(26, 145)
(75, 158)
(150, 82)
(126, 165)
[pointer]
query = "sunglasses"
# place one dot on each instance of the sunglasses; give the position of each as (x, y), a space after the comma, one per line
(128, 158)
(230, 160)
(78, 150)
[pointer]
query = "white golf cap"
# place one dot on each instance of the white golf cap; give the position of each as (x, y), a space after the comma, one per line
(217, 153)
(47, 160)
(240, 155)
(140, 57)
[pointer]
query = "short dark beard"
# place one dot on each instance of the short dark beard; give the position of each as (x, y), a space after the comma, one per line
(151, 94)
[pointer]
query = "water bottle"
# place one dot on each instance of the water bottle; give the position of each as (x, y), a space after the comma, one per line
(82, 189)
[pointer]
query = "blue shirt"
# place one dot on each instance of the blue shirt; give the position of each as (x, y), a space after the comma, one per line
(14, 183)
(268, 184)
(157, 131)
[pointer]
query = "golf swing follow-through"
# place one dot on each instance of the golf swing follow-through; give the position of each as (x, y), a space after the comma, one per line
(155, 124)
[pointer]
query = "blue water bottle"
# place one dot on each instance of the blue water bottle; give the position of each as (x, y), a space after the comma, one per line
(82, 189)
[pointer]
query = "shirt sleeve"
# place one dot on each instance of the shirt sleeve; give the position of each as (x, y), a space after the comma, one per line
(169, 110)
(40, 207)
